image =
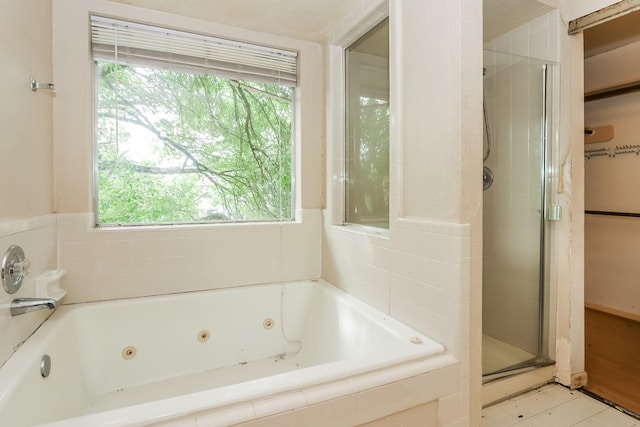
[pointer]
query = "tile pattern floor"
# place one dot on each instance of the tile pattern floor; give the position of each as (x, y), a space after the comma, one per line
(554, 406)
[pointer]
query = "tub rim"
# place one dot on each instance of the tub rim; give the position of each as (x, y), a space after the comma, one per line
(361, 370)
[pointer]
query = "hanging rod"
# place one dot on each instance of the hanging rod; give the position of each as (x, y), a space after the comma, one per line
(608, 213)
(609, 92)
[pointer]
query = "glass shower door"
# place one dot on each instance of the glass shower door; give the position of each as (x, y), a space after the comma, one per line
(515, 307)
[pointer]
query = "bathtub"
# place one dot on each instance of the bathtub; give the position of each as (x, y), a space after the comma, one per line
(144, 360)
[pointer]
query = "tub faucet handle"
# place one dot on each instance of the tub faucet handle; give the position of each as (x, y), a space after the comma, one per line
(14, 267)
(22, 268)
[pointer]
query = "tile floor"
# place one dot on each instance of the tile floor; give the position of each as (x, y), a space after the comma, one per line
(554, 406)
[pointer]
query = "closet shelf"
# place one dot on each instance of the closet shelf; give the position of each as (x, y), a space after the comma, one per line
(609, 92)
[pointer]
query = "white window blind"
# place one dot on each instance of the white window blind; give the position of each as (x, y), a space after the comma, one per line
(137, 44)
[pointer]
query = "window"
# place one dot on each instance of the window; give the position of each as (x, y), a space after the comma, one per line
(190, 128)
(367, 129)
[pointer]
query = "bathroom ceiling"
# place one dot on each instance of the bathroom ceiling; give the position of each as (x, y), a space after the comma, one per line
(299, 19)
(313, 19)
(501, 16)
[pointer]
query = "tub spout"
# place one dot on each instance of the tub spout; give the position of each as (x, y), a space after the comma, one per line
(25, 305)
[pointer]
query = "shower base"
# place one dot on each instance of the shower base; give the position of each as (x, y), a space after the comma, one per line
(498, 355)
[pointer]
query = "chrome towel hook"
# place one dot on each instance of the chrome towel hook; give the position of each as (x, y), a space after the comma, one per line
(35, 85)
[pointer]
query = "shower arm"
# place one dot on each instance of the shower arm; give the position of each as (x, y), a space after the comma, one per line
(486, 129)
(486, 121)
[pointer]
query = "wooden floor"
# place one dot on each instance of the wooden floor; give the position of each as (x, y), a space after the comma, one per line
(613, 358)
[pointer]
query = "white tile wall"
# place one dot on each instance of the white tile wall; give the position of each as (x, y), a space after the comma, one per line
(409, 402)
(538, 39)
(37, 237)
(128, 262)
(416, 277)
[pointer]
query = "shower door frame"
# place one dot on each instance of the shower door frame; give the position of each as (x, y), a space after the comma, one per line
(543, 357)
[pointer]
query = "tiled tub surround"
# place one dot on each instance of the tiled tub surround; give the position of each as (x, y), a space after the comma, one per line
(419, 273)
(125, 363)
(111, 263)
(37, 237)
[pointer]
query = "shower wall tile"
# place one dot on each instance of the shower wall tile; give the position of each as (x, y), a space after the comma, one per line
(539, 37)
(502, 43)
(536, 39)
(520, 40)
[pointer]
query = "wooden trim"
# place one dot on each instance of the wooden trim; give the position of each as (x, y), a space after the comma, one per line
(605, 14)
(614, 311)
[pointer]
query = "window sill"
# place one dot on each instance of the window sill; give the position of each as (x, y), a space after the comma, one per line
(191, 226)
(364, 229)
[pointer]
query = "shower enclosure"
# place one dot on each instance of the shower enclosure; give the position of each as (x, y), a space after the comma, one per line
(518, 93)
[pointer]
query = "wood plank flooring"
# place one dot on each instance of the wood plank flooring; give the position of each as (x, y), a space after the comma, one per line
(613, 358)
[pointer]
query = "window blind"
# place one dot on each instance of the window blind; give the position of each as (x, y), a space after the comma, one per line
(137, 44)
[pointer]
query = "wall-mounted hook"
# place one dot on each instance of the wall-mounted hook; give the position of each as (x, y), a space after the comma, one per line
(35, 85)
(599, 134)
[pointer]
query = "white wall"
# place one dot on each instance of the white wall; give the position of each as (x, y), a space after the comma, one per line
(419, 271)
(25, 116)
(612, 244)
(25, 150)
(117, 263)
(617, 66)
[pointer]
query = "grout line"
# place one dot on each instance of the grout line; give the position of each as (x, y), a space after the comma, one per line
(518, 394)
(610, 403)
(552, 385)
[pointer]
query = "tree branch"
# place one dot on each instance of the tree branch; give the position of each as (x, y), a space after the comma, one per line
(151, 169)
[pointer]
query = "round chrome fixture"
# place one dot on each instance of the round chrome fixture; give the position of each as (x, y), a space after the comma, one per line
(45, 366)
(487, 178)
(14, 268)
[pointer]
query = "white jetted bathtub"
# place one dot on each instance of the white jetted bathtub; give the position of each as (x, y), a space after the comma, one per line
(144, 360)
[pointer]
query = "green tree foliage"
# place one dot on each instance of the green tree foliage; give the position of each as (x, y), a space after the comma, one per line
(182, 147)
(372, 159)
